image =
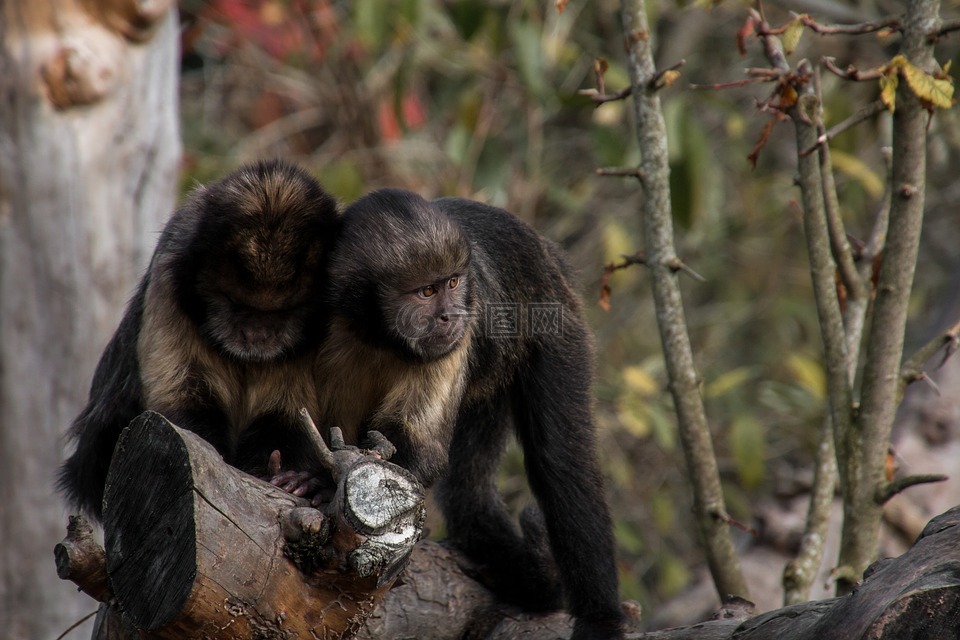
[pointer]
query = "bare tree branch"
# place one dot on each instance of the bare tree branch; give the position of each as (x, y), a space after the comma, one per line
(662, 260)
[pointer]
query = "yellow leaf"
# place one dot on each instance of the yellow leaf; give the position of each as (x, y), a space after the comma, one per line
(791, 37)
(860, 171)
(888, 90)
(938, 92)
(728, 381)
(633, 417)
(639, 381)
(808, 373)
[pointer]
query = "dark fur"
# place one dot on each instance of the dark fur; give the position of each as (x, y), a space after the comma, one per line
(222, 332)
(451, 408)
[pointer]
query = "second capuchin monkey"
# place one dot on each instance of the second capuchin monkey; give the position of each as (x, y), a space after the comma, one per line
(450, 322)
(221, 334)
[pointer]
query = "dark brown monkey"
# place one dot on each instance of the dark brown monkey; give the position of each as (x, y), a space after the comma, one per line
(221, 334)
(452, 320)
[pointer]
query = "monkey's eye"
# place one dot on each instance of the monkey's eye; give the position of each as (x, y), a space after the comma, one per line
(428, 291)
(453, 282)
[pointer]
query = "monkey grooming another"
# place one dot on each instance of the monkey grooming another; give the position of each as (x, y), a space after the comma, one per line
(450, 321)
(221, 334)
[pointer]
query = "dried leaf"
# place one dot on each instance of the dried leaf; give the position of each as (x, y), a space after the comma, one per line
(762, 142)
(604, 300)
(669, 77)
(788, 97)
(744, 32)
(938, 92)
(791, 37)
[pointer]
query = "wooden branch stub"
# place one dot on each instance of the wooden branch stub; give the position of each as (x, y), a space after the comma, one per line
(196, 548)
(80, 558)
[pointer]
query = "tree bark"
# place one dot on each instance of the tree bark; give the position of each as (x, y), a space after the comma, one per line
(196, 548)
(89, 153)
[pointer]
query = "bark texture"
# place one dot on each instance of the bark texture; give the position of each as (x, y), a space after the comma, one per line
(89, 154)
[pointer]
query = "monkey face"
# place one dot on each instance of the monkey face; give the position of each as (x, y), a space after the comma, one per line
(430, 320)
(248, 263)
(252, 334)
(255, 318)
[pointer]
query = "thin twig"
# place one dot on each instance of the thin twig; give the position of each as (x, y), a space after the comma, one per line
(946, 27)
(601, 98)
(891, 489)
(77, 624)
(730, 85)
(860, 115)
(629, 172)
(851, 72)
(839, 246)
(676, 264)
(862, 28)
(913, 367)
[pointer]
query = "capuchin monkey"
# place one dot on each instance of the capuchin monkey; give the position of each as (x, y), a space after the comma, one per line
(450, 321)
(221, 334)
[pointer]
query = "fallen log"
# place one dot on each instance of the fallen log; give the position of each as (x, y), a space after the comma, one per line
(195, 548)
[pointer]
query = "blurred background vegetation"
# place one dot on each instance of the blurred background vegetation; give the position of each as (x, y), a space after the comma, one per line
(480, 99)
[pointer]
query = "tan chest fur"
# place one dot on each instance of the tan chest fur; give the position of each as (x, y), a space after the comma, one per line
(361, 386)
(178, 366)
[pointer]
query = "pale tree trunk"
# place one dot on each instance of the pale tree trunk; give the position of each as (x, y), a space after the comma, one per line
(89, 153)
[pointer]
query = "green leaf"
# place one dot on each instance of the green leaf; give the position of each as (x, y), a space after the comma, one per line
(632, 412)
(673, 575)
(664, 430)
(371, 22)
(809, 374)
(525, 38)
(468, 16)
(748, 445)
(663, 510)
(343, 179)
(791, 37)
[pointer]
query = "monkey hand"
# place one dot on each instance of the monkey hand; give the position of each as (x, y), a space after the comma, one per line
(303, 484)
